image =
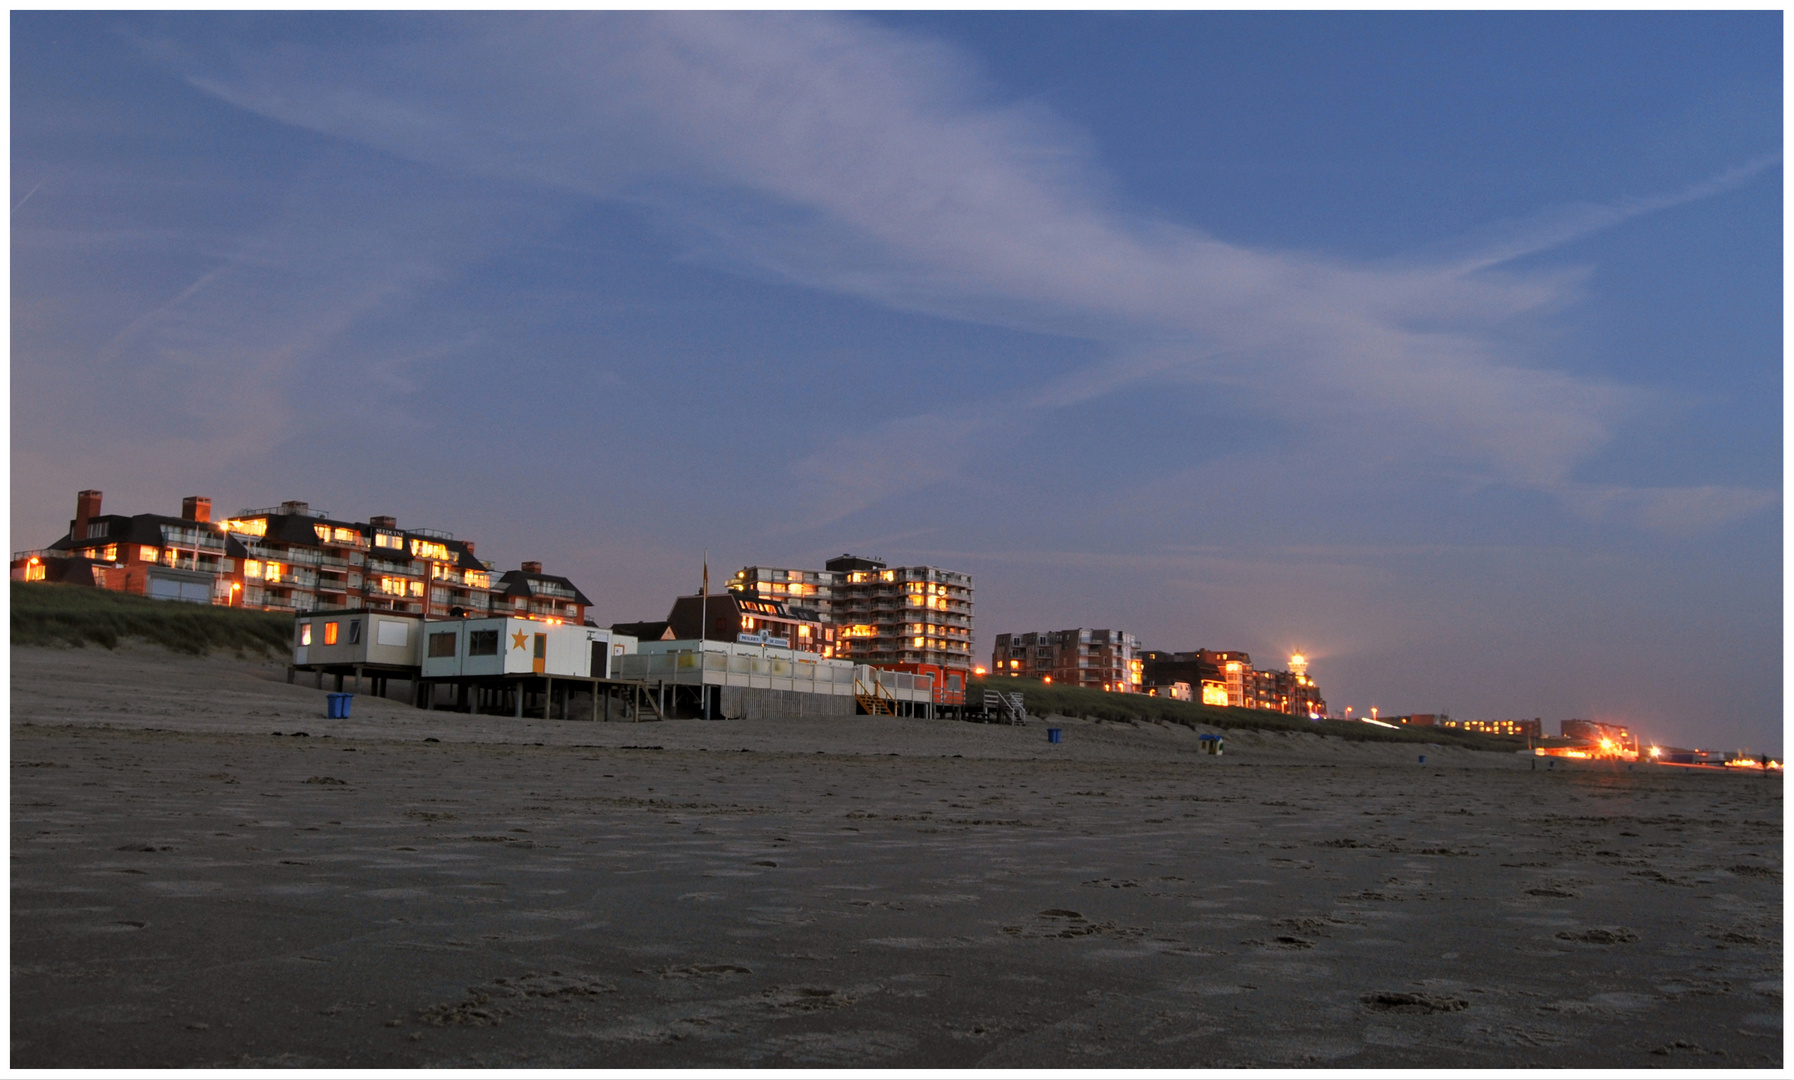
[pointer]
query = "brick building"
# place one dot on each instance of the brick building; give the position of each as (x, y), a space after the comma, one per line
(879, 614)
(1098, 659)
(292, 558)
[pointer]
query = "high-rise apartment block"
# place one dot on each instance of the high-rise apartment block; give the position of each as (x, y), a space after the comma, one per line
(880, 614)
(1098, 659)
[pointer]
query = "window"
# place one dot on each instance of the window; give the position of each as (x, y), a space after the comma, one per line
(354, 631)
(482, 643)
(330, 633)
(416, 588)
(477, 579)
(148, 554)
(442, 644)
(271, 571)
(322, 531)
(429, 549)
(247, 526)
(110, 554)
(393, 633)
(345, 536)
(34, 571)
(96, 528)
(388, 540)
(305, 633)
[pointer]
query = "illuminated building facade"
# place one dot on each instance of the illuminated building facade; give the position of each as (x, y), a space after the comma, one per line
(189, 557)
(1533, 728)
(808, 590)
(748, 619)
(1098, 659)
(901, 615)
(1227, 677)
(1605, 739)
(293, 558)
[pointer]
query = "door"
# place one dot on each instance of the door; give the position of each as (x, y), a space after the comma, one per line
(600, 660)
(541, 663)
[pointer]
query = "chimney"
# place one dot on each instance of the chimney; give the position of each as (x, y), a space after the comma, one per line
(87, 505)
(196, 508)
(532, 568)
(295, 507)
(468, 544)
(382, 521)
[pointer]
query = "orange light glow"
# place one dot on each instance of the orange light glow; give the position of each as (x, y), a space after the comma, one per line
(1046, 678)
(978, 671)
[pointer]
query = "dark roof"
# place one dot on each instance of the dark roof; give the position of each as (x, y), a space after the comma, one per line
(519, 583)
(645, 631)
(145, 529)
(854, 562)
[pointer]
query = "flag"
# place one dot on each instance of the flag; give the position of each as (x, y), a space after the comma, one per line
(705, 590)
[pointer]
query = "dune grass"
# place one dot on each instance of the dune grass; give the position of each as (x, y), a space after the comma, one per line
(47, 614)
(1041, 698)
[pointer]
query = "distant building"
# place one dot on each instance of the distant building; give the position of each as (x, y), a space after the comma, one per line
(170, 558)
(1532, 729)
(880, 615)
(292, 558)
(1598, 737)
(813, 590)
(1098, 659)
(1227, 677)
(746, 619)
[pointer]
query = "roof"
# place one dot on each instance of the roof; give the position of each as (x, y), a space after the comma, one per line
(520, 583)
(646, 631)
(145, 529)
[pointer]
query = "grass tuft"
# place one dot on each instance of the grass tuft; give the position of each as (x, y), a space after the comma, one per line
(1090, 704)
(47, 614)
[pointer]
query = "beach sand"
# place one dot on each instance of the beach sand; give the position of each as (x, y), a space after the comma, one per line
(408, 888)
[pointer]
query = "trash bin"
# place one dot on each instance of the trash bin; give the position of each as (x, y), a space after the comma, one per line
(1055, 734)
(1423, 759)
(336, 706)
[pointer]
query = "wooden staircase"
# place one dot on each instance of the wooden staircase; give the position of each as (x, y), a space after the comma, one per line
(876, 700)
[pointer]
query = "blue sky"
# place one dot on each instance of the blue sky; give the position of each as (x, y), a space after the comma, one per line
(1444, 347)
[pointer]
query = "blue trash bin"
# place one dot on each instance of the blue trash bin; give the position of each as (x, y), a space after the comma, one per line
(1423, 759)
(336, 706)
(1055, 734)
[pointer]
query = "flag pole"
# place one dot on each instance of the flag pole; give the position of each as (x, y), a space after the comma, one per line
(704, 632)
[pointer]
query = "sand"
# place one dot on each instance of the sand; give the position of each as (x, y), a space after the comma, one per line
(406, 889)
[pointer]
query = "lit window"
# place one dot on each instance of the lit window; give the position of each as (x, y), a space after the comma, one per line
(388, 540)
(919, 642)
(305, 633)
(247, 526)
(271, 571)
(330, 633)
(417, 588)
(322, 531)
(110, 554)
(428, 549)
(34, 571)
(148, 554)
(253, 568)
(345, 536)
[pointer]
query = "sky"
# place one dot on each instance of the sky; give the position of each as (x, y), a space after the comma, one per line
(1443, 348)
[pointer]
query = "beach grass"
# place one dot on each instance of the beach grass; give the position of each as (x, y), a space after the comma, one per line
(1047, 698)
(46, 614)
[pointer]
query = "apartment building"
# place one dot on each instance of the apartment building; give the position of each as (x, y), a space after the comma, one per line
(876, 614)
(293, 558)
(901, 615)
(1227, 677)
(748, 619)
(1098, 659)
(170, 558)
(799, 590)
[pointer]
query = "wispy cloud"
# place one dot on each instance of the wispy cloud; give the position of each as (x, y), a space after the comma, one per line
(853, 158)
